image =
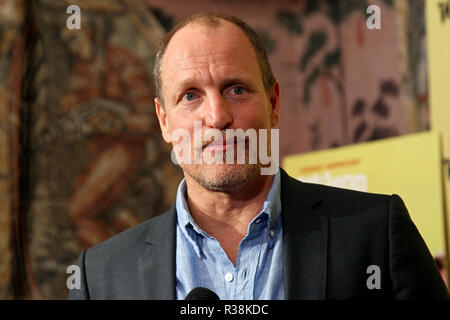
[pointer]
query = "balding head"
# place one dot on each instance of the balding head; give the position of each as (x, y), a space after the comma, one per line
(213, 21)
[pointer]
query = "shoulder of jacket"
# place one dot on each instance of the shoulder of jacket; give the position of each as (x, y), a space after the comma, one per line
(129, 241)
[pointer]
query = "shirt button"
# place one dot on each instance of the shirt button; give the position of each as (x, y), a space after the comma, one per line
(229, 277)
(272, 233)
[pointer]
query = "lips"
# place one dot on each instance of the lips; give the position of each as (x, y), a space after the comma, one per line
(220, 145)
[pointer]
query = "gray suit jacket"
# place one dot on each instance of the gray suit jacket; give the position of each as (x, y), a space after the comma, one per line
(330, 238)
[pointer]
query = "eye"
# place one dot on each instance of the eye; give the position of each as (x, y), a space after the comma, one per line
(237, 90)
(190, 96)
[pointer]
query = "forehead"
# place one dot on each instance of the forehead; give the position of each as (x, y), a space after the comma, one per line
(198, 46)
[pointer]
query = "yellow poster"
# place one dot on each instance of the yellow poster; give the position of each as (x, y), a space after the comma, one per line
(438, 35)
(409, 166)
(438, 53)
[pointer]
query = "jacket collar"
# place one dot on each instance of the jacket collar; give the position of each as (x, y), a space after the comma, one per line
(157, 265)
(305, 235)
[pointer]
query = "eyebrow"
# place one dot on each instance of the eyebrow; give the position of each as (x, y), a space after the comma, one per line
(192, 82)
(182, 86)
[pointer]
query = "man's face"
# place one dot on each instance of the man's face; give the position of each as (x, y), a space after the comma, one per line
(212, 75)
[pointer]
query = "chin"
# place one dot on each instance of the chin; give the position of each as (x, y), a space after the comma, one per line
(223, 177)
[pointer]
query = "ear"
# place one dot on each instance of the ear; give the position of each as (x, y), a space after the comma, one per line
(163, 123)
(274, 99)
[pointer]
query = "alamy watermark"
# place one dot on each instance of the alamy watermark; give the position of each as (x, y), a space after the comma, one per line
(234, 146)
(74, 20)
(74, 280)
(374, 280)
(374, 21)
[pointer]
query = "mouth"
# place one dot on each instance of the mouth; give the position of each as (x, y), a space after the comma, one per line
(219, 145)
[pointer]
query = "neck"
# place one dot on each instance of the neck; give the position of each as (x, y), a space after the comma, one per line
(226, 215)
(219, 211)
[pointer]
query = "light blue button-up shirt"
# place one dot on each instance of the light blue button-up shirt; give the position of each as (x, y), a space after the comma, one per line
(201, 261)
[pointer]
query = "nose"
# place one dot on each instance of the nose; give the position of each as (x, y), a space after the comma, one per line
(217, 112)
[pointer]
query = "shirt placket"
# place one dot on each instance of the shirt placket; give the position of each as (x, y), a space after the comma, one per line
(249, 256)
(223, 265)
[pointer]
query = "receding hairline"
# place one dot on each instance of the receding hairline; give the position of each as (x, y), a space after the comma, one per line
(208, 19)
(213, 20)
(209, 27)
(209, 23)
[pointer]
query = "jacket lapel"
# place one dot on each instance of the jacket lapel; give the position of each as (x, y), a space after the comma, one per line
(305, 235)
(156, 267)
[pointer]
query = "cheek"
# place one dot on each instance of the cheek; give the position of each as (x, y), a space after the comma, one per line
(257, 117)
(180, 126)
(180, 118)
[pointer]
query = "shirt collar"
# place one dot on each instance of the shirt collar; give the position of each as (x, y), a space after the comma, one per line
(271, 212)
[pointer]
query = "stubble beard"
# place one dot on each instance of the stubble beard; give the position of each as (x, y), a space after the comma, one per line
(223, 177)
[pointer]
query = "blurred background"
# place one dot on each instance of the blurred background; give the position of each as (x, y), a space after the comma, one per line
(81, 155)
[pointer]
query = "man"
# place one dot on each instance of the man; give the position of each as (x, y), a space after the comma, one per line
(240, 233)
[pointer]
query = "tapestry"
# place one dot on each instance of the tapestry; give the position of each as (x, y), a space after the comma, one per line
(81, 153)
(92, 150)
